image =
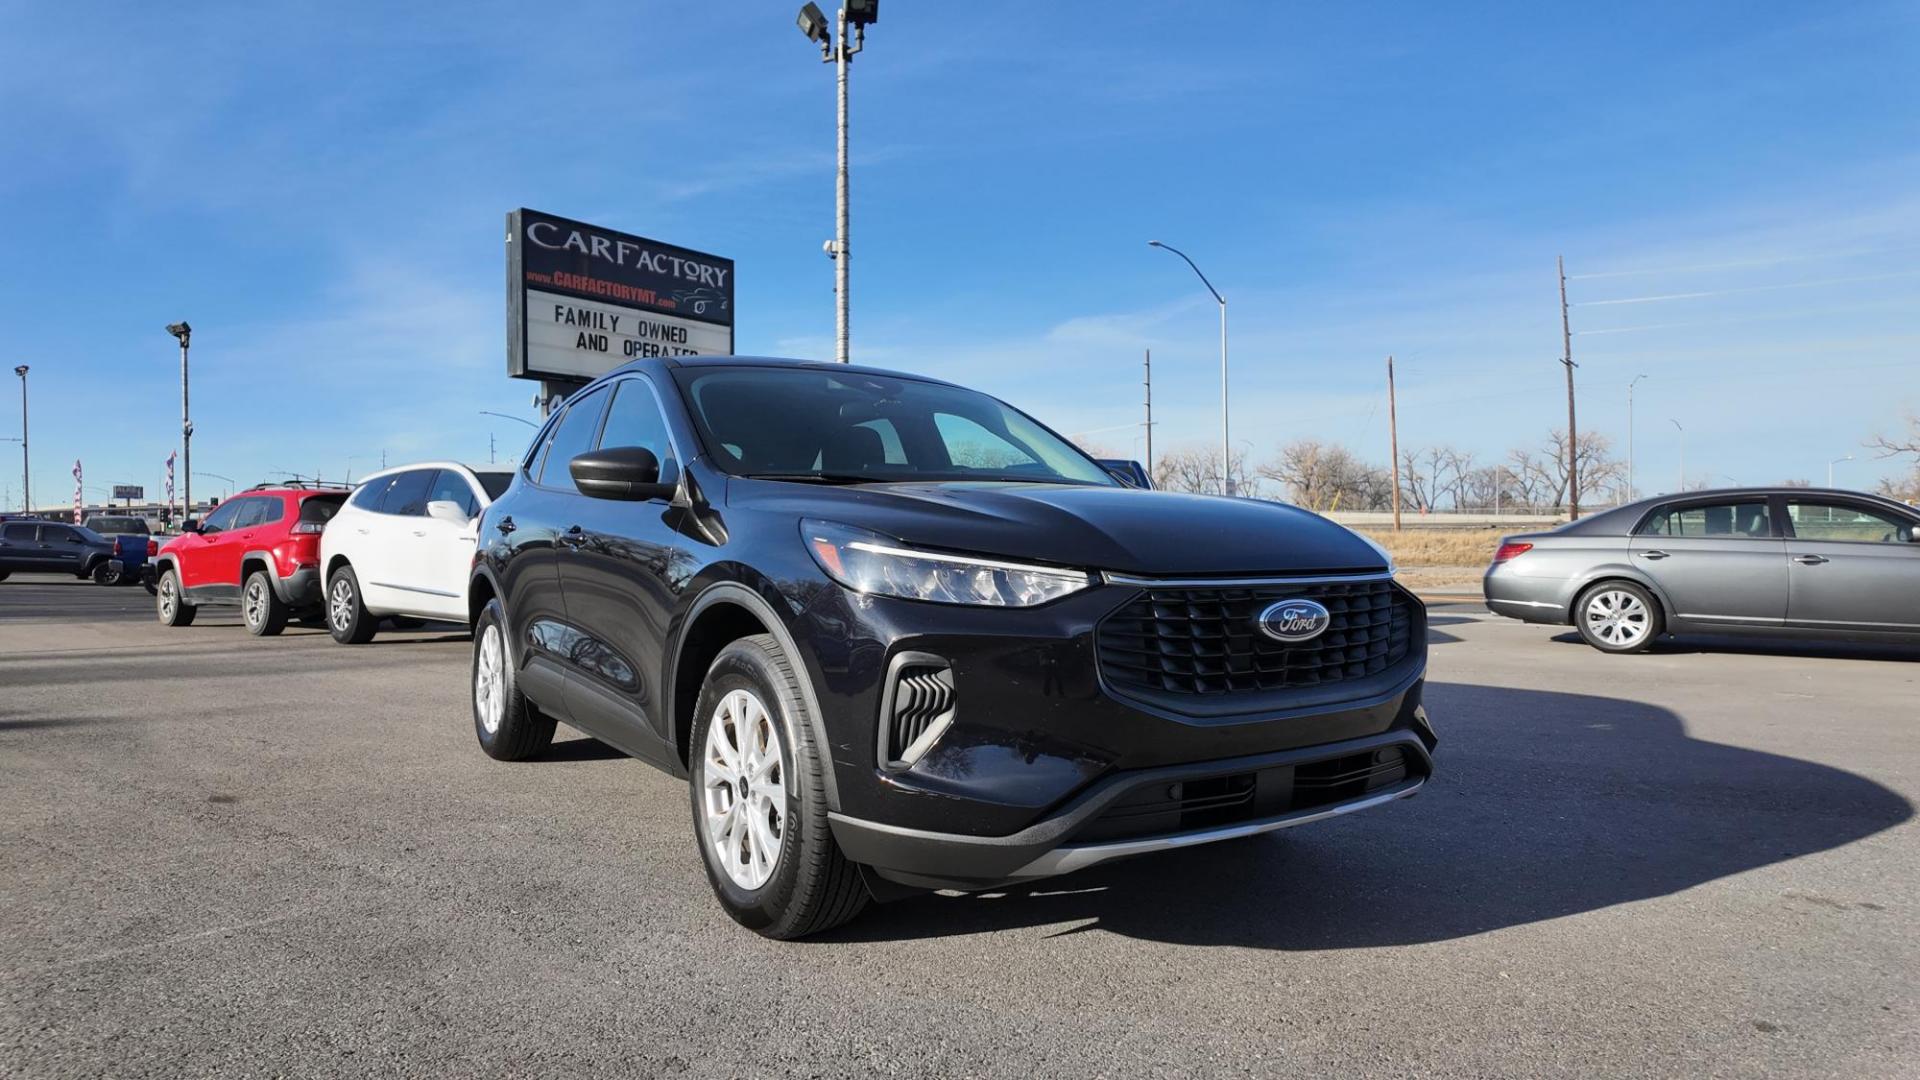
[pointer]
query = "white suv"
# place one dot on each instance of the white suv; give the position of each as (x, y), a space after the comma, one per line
(402, 546)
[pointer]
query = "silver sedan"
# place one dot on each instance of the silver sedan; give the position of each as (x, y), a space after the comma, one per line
(1783, 561)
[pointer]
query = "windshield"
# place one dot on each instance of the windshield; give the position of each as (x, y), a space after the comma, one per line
(852, 426)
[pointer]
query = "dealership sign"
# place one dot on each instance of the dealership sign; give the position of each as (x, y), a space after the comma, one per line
(582, 300)
(129, 491)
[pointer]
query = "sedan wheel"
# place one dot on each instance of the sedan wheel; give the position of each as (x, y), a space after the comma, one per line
(490, 681)
(1618, 618)
(745, 794)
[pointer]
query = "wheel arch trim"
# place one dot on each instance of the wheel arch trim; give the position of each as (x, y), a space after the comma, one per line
(1615, 573)
(741, 595)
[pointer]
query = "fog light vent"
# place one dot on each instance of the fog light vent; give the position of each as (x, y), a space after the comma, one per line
(918, 708)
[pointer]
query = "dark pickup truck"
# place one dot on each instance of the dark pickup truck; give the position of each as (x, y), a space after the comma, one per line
(130, 536)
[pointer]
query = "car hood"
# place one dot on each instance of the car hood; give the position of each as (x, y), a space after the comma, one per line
(1150, 533)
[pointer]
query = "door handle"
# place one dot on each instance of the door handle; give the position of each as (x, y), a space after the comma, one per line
(1653, 554)
(505, 525)
(419, 532)
(1810, 560)
(364, 532)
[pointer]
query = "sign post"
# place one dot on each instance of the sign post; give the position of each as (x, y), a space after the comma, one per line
(582, 300)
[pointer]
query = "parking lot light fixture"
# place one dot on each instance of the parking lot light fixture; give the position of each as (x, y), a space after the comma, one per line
(184, 334)
(26, 463)
(859, 14)
(1226, 451)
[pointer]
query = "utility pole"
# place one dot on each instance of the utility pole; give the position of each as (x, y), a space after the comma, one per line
(184, 332)
(1573, 433)
(1393, 442)
(1149, 424)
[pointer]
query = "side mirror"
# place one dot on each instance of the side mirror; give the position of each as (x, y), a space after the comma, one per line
(630, 473)
(1131, 473)
(450, 512)
(191, 525)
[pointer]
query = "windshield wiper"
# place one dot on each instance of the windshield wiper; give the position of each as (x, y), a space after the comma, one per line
(815, 477)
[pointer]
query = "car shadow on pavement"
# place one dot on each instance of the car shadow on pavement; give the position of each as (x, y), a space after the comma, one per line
(1543, 805)
(1811, 648)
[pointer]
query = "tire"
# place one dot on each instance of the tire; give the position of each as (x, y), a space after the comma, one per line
(260, 607)
(105, 574)
(805, 885)
(509, 727)
(1618, 617)
(348, 620)
(169, 604)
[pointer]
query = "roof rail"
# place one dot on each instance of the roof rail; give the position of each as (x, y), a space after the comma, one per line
(302, 485)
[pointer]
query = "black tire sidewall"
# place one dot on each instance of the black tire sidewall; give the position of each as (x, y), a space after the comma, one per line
(738, 668)
(1656, 621)
(182, 613)
(525, 732)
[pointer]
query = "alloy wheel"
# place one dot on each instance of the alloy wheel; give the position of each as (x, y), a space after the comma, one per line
(256, 602)
(1617, 617)
(490, 680)
(168, 598)
(340, 604)
(744, 801)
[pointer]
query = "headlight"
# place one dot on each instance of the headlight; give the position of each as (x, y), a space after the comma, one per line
(870, 563)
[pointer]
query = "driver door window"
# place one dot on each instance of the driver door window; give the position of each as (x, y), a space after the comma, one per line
(1842, 522)
(222, 517)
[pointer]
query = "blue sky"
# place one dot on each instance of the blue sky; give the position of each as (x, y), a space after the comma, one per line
(320, 189)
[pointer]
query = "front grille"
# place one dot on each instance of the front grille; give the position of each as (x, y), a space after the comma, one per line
(1207, 642)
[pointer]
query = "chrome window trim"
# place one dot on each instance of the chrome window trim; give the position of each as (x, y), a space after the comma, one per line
(1110, 578)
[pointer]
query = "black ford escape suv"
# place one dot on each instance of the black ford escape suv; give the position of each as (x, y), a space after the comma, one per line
(896, 633)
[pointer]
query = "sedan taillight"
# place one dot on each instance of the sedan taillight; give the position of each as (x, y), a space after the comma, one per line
(1511, 550)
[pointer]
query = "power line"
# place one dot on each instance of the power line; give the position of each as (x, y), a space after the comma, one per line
(1742, 264)
(1748, 289)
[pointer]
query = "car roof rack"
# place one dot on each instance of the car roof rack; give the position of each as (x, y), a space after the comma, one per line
(302, 485)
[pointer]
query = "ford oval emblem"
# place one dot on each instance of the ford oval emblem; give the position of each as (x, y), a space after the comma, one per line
(1295, 621)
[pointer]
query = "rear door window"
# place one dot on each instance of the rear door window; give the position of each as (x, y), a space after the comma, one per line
(1730, 521)
(19, 534)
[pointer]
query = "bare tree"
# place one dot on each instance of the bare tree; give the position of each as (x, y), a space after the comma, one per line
(1907, 444)
(1321, 476)
(1429, 476)
(1197, 469)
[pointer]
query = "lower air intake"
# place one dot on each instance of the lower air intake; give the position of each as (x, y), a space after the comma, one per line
(918, 707)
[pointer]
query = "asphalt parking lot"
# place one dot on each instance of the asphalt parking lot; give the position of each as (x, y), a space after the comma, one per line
(230, 856)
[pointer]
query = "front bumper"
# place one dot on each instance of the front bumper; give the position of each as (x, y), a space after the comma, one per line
(1039, 743)
(1150, 810)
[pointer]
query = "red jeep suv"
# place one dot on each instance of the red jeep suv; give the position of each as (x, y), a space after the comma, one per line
(259, 549)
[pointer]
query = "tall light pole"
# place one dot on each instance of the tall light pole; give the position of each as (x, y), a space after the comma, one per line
(218, 476)
(1226, 449)
(184, 332)
(1630, 489)
(1832, 463)
(813, 23)
(509, 416)
(1683, 455)
(26, 463)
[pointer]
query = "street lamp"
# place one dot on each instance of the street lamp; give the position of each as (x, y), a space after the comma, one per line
(1683, 454)
(26, 466)
(1831, 464)
(813, 23)
(184, 332)
(218, 476)
(1630, 491)
(1226, 453)
(507, 416)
